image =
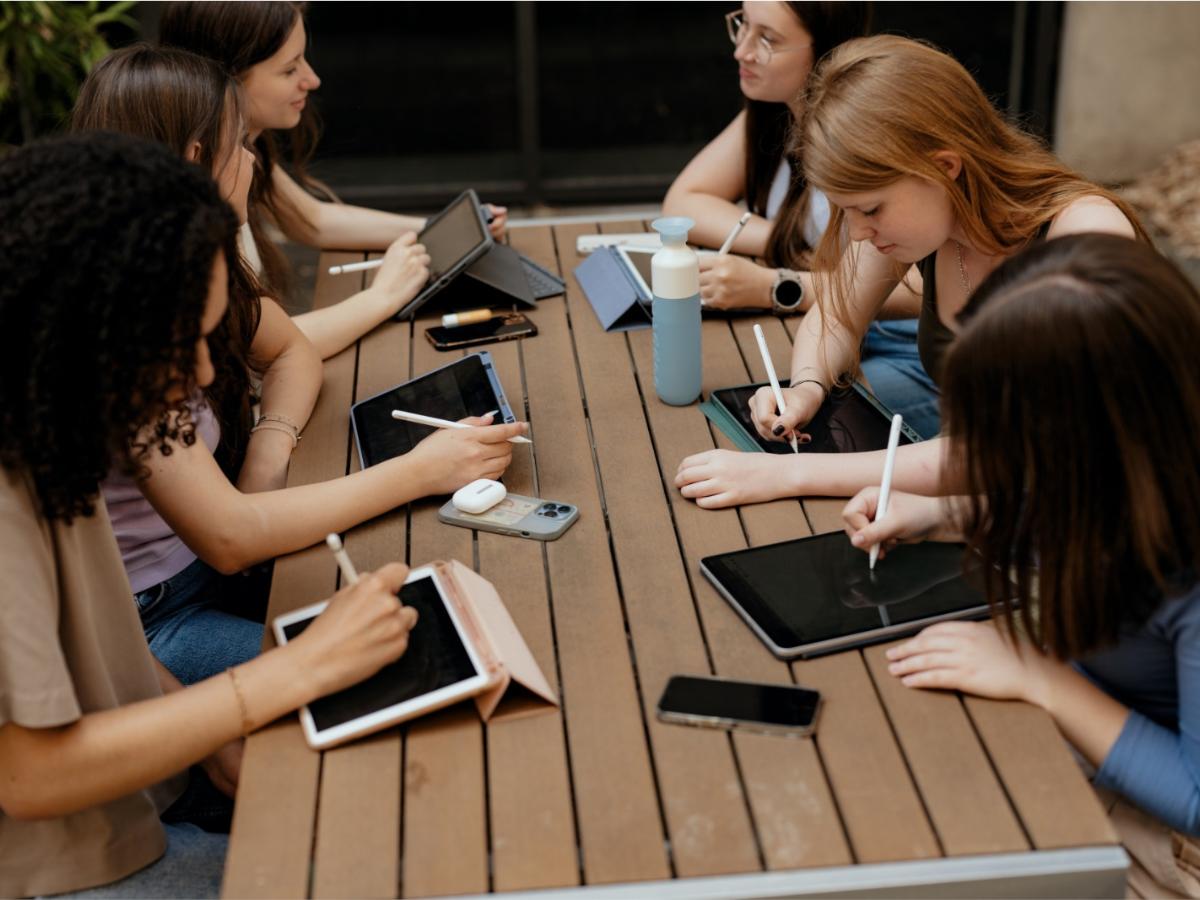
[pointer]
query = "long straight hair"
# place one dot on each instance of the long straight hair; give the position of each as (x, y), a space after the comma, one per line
(180, 100)
(768, 126)
(239, 36)
(879, 108)
(1072, 400)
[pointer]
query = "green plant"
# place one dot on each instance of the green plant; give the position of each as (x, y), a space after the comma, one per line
(46, 49)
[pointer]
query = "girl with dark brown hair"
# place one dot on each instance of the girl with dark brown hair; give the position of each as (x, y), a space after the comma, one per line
(1072, 403)
(263, 45)
(189, 523)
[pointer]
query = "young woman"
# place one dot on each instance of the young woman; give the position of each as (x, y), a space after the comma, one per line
(1078, 457)
(92, 731)
(184, 528)
(776, 45)
(949, 186)
(263, 45)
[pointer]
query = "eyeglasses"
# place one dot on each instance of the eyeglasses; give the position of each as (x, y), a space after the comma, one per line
(739, 29)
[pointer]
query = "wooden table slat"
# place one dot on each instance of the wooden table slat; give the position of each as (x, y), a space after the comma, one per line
(444, 763)
(609, 754)
(269, 854)
(793, 811)
(1054, 800)
(960, 789)
(697, 777)
(533, 837)
(358, 835)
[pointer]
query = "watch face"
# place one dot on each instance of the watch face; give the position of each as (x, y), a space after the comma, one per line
(788, 293)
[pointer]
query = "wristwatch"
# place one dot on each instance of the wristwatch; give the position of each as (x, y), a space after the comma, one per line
(788, 292)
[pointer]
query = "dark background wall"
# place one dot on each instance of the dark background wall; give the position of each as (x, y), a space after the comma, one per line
(580, 102)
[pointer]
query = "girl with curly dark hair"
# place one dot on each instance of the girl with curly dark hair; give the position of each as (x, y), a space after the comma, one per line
(112, 281)
(184, 528)
(263, 44)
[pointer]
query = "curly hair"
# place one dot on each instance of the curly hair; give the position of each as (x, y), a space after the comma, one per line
(106, 259)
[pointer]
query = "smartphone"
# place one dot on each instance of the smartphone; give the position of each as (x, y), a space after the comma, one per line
(723, 703)
(507, 327)
(529, 517)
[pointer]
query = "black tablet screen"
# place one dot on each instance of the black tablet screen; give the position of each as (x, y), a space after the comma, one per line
(818, 589)
(452, 392)
(436, 658)
(846, 422)
(452, 236)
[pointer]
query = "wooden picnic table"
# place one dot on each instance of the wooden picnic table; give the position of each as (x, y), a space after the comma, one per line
(901, 791)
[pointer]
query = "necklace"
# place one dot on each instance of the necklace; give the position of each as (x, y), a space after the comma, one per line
(962, 270)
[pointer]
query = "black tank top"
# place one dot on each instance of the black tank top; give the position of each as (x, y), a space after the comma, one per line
(933, 337)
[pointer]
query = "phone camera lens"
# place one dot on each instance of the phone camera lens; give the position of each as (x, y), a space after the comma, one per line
(563, 509)
(549, 514)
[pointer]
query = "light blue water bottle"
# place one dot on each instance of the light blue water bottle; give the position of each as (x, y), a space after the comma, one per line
(675, 282)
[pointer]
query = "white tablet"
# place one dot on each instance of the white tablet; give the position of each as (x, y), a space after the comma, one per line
(440, 667)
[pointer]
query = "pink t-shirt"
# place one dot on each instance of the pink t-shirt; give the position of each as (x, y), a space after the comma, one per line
(151, 551)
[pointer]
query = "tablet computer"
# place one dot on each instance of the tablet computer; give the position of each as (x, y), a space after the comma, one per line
(454, 238)
(816, 595)
(467, 386)
(441, 666)
(849, 421)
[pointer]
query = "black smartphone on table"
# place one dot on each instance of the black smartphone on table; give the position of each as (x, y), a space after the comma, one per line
(506, 327)
(724, 703)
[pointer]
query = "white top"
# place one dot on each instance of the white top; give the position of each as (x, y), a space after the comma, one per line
(249, 249)
(818, 205)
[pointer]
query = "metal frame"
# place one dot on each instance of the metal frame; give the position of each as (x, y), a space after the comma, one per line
(1080, 872)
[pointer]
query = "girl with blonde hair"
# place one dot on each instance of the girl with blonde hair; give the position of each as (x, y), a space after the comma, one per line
(919, 169)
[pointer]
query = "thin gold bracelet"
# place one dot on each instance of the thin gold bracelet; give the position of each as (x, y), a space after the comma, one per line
(272, 425)
(247, 725)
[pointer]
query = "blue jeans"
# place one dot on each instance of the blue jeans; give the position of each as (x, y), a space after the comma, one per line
(187, 633)
(893, 367)
(191, 867)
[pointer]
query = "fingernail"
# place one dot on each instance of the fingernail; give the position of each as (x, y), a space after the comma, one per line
(806, 438)
(891, 654)
(777, 430)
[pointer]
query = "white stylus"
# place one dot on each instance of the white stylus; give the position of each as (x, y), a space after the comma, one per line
(766, 355)
(733, 233)
(356, 267)
(418, 419)
(885, 488)
(349, 573)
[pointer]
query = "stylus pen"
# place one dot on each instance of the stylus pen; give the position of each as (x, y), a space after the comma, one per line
(349, 573)
(418, 419)
(766, 355)
(734, 232)
(885, 488)
(356, 267)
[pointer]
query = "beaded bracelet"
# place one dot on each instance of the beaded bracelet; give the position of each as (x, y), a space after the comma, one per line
(278, 423)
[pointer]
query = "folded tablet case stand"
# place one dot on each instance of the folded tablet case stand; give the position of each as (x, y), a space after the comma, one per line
(519, 688)
(496, 279)
(618, 301)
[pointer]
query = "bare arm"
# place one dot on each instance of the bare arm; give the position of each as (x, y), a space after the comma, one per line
(292, 374)
(337, 225)
(231, 530)
(50, 772)
(404, 272)
(709, 188)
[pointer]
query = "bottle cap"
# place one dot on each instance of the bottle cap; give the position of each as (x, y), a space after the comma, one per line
(674, 229)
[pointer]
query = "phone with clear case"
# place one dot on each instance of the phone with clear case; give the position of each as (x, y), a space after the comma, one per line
(518, 516)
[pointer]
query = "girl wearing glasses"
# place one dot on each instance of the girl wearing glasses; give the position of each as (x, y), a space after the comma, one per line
(1088, 494)
(263, 45)
(776, 46)
(946, 184)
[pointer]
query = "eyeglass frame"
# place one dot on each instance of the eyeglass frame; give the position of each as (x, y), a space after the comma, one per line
(762, 46)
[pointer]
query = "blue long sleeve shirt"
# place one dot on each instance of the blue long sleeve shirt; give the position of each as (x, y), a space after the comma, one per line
(1154, 669)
